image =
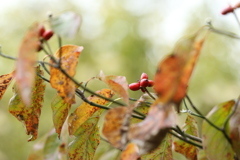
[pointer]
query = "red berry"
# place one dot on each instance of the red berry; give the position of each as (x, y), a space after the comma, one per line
(134, 86)
(47, 34)
(150, 83)
(41, 30)
(227, 10)
(144, 83)
(144, 76)
(143, 90)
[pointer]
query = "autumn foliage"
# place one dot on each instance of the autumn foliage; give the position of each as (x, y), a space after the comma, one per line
(143, 128)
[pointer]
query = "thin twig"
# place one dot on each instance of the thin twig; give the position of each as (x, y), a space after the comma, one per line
(209, 122)
(187, 135)
(150, 95)
(185, 140)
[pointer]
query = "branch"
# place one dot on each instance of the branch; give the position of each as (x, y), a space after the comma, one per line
(209, 122)
(186, 140)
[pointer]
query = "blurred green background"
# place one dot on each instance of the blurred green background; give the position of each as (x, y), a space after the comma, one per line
(125, 38)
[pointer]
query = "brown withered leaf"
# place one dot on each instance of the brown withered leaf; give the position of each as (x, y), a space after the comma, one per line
(149, 133)
(116, 126)
(58, 80)
(29, 116)
(118, 84)
(85, 110)
(173, 73)
(130, 153)
(25, 70)
(5, 81)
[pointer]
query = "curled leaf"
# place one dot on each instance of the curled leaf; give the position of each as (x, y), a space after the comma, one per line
(149, 133)
(118, 84)
(25, 70)
(5, 81)
(29, 116)
(58, 80)
(115, 126)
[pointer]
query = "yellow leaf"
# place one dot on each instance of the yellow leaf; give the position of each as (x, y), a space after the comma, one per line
(85, 110)
(58, 80)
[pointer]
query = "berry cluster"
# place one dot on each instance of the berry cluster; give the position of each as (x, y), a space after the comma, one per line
(142, 83)
(44, 35)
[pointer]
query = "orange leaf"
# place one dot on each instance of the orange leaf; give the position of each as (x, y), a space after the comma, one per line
(118, 84)
(85, 110)
(115, 120)
(130, 153)
(29, 116)
(25, 70)
(149, 133)
(58, 80)
(5, 81)
(173, 73)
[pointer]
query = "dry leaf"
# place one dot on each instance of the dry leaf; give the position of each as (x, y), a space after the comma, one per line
(5, 81)
(69, 59)
(29, 116)
(173, 73)
(130, 153)
(116, 126)
(25, 70)
(118, 84)
(149, 133)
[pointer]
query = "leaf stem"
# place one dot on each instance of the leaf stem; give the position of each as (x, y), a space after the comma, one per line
(150, 95)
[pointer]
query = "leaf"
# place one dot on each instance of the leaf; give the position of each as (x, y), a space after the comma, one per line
(87, 139)
(201, 155)
(174, 72)
(149, 133)
(130, 153)
(215, 144)
(85, 110)
(29, 116)
(115, 121)
(235, 129)
(163, 151)
(49, 147)
(118, 84)
(66, 24)
(58, 80)
(188, 150)
(25, 70)
(60, 112)
(5, 81)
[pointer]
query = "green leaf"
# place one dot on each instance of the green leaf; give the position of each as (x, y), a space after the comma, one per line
(87, 139)
(29, 116)
(66, 24)
(60, 112)
(215, 144)
(190, 151)
(163, 151)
